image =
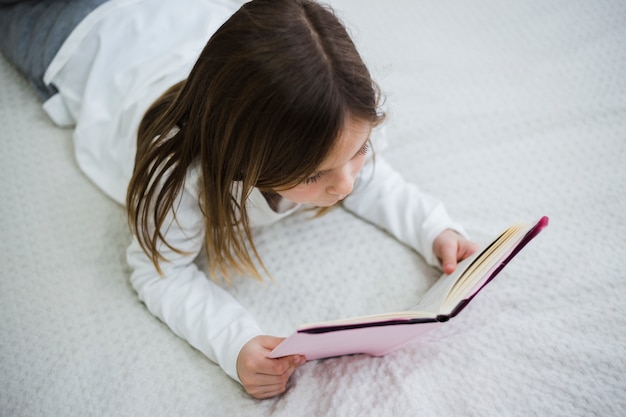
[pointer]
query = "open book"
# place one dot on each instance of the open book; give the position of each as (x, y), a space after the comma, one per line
(377, 335)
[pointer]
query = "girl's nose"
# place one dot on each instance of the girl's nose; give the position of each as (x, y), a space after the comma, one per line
(342, 183)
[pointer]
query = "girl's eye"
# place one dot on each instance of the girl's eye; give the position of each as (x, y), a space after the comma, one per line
(365, 149)
(313, 179)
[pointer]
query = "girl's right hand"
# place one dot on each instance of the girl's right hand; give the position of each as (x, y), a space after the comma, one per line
(264, 377)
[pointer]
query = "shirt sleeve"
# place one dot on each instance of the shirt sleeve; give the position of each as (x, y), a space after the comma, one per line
(184, 298)
(383, 197)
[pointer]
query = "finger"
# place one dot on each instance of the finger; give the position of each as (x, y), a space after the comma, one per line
(265, 386)
(449, 256)
(466, 249)
(268, 391)
(298, 360)
(276, 367)
(275, 385)
(268, 379)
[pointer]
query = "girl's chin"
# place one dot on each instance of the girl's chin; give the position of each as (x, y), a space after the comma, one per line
(318, 203)
(328, 203)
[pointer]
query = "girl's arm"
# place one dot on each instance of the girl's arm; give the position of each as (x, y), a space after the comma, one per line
(194, 307)
(383, 197)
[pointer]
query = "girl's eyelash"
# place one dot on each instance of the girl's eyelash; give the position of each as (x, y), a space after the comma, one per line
(365, 149)
(313, 178)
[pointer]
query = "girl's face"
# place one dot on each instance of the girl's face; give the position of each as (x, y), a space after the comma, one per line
(335, 178)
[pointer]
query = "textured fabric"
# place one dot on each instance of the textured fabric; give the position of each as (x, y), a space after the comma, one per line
(31, 33)
(213, 321)
(119, 59)
(505, 110)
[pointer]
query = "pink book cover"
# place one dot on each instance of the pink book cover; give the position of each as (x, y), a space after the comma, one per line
(381, 337)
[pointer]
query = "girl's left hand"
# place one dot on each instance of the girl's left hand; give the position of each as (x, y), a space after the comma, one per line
(451, 248)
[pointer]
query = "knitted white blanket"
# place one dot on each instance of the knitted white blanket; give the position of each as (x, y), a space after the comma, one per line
(505, 110)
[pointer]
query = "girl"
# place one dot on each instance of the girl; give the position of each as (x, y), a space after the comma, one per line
(273, 114)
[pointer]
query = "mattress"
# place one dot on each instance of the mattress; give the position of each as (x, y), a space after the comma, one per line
(507, 111)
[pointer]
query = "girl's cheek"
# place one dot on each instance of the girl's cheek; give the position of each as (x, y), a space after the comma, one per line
(359, 166)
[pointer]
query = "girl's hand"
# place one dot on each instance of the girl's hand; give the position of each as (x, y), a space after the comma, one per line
(263, 377)
(450, 248)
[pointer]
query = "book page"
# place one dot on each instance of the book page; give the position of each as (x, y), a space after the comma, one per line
(437, 293)
(442, 296)
(446, 294)
(449, 291)
(478, 272)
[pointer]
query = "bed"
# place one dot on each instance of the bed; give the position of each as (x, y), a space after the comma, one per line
(505, 110)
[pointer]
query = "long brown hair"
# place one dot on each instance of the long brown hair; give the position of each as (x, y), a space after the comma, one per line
(263, 106)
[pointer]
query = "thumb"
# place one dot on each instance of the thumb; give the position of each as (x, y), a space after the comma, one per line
(448, 257)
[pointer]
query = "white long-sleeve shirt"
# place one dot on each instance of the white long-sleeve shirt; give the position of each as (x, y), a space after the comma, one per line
(111, 68)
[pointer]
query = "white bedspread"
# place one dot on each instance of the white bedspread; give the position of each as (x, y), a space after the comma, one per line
(505, 110)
